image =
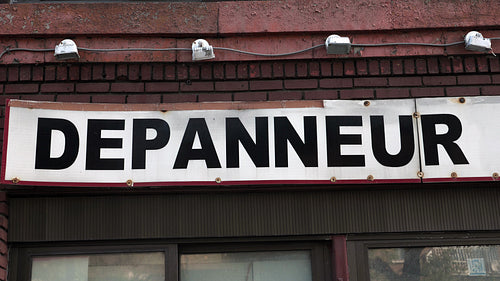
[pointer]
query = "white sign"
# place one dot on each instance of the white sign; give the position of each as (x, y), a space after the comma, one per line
(60, 144)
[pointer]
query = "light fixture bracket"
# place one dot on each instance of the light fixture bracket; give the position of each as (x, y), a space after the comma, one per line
(202, 50)
(66, 50)
(474, 41)
(337, 45)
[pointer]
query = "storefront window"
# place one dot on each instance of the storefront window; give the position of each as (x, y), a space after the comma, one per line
(435, 263)
(100, 267)
(247, 266)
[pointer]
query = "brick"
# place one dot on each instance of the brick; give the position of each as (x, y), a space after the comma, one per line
(326, 68)
(373, 67)
(427, 92)
(490, 90)
(62, 73)
(39, 97)
(74, 72)
(362, 67)
(266, 70)
(290, 69)
(124, 87)
(37, 73)
(24, 73)
(3, 73)
(122, 72)
(457, 65)
(50, 73)
(462, 91)
(86, 72)
(108, 98)
(174, 98)
(409, 66)
(21, 88)
(3, 260)
(230, 71)
(4, 222)
(302, 70)
(3, 248)
(73, 98)
(278, 69)
(3, 196)
(433, 65)
(170, 72)
(231, 86)
(421, 66)
(4, 209)
(218, 71)
(250, 96)
(109, 72)
(197, 87)
(98, 72)
(206, 72)
(494, 64)
(285, 95)
(3, 234)
(13, 73)
(482, 64)
(495, 79)
(134, 72)
(385, 67)
(157, 71)
(356, 94)
(242, 71)
(146, 72)
(338, 68)
(397, 67)
(143, 98)
(266, 85)
(314, 70)
(254, 70)
(3, 98)
(333, 83)
(194, 72)
(215, 97)
(473, 79)
(392, 93)
(439, 80)
(321, 95)
(92, 87)
(160, 87)
(349, 68)
(405, 81)
(445, 65)
(470, 64)
(57, 88)
(301, 84)
(370, 82)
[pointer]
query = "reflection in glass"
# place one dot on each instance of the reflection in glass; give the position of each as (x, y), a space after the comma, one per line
(250, 266)
(100, 267)
(456, 263)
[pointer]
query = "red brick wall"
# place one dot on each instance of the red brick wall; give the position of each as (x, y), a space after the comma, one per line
(252, 81)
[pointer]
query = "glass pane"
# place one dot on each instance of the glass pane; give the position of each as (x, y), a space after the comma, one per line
(435, 263)
(100, 267)
(250, 266)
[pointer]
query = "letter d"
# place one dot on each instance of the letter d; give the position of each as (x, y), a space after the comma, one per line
(44, 139)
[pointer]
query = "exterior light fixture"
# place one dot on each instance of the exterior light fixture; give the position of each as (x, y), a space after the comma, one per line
(337, 45)
(474, 41)
(202, 50)
(66, 50)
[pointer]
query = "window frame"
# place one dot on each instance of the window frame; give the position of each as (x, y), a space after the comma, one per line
(359, 245)
(21, 255)
(21, 259)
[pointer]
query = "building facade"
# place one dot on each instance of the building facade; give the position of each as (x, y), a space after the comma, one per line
(139, 55)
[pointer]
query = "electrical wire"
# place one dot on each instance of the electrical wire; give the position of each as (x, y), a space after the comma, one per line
(8, 50)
